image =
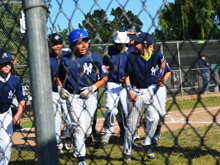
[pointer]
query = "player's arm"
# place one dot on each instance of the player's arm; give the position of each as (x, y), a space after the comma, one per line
(101, 82)
(16, 118)
(164, 79)
(132, 96)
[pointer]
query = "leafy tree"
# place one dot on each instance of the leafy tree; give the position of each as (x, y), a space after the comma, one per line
(100, 29)
(187, 19)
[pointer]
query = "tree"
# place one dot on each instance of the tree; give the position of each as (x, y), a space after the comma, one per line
(187, 19)
(100, 29)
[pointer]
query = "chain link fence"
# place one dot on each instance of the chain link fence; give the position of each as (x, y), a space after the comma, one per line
(187, 137)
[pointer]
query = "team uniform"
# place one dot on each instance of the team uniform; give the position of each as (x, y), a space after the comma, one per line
(8, 87)
(114, 88)
(81, 72)
(161, 96)
(59, 104)
(142, 73)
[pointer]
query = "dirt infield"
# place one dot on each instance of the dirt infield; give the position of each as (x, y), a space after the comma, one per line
(173, 120)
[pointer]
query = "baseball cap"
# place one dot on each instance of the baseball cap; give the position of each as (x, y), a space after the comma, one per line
(5, 56)
(143, 37)
(133, 28)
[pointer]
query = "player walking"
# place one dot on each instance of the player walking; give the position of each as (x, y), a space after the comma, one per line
(9, 85)
(116, 59)
(60, 106)
(140, 72)
(81, 73)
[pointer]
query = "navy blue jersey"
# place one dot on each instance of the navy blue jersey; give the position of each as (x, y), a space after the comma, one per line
(143, 72)
(81, 71)
(8, 88)
(116, 61)
(54, 69)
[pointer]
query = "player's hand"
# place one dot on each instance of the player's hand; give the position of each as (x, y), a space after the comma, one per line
(16, 120)
(132, 97)
(64, 94)
(122, 79)
(88, 91)
(107, 68)
(160, 81)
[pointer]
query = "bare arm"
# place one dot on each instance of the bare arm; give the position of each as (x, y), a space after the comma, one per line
(101, 82)
(165, 78)
(132, 96)
(16, 118)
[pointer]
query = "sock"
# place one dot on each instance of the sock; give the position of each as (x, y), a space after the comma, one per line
(81, 159)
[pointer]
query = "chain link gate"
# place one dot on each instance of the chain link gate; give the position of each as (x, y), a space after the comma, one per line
(181, 142)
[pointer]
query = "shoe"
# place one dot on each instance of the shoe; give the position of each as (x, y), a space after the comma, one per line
(60, 151)
(127, 158)
(69, 143)
(154, 143)
(18, 128)
(82, 163)
(105, 139)
(207, 92)
(150, 154)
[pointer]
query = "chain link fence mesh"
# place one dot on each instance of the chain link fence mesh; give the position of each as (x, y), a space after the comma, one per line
(189, 144)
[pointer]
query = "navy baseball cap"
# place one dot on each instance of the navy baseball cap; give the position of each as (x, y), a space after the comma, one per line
(5, 56)
(143, 37)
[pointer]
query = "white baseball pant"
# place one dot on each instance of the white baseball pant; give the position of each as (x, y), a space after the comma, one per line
(81, 113)
(147, 99)
(59, 107)
(161, 96)
(114, 92)
(6, 130)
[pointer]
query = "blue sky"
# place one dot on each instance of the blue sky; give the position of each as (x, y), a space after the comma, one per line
(145, 9)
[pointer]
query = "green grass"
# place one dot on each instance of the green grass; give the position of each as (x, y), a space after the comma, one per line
(188, 147)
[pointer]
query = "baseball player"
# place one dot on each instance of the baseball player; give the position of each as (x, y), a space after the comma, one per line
(9, 85)
(115, 91)
(140, 72)
(60, 106)
(80, 74)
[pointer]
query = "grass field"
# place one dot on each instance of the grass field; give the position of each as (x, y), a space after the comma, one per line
(199, 145)
(188, 146)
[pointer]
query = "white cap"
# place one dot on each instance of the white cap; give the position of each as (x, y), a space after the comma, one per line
(121, 37)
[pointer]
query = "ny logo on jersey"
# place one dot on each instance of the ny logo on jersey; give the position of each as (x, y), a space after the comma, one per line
(87, 69)
(153, 70)
(10, 94)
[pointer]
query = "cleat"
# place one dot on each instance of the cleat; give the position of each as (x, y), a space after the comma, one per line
(82, 163)
(60, 151)
(150, 154)
(69, 143)
(154, 143)
(105, 139)
(127, 158)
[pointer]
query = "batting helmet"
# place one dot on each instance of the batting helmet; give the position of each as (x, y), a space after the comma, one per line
(121, 37)
(133, 28)
(75, 35)
(54, 38)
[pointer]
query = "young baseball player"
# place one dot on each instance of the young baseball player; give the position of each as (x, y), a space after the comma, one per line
(14, 107)
(160, 93)
(140, 72)
(80, 74)
(9, 85)
(60, 106)
(116, 59)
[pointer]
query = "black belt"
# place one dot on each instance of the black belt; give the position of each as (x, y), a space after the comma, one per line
(74, 91)
(138, 87)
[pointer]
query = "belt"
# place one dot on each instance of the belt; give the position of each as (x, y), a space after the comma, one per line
(135, 86)
(74, 91)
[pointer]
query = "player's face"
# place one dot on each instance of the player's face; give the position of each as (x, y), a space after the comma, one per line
(120, 47)
(132, 41)
(57, 48)
(82, 47)
(5, 68)
(138, 47)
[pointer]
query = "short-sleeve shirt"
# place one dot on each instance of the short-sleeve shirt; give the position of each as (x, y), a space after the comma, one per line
(81, 71)
(143, 72)
(9, 87)
(203, 64)
(116, 61)
(54, 65)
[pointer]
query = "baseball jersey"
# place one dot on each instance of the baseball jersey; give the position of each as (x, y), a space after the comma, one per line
(81, 71)
(116, 61)
(8, 87)
(143, 71)
(54, 69)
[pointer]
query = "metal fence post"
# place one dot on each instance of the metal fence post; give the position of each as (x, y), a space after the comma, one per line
(181, 84)
(38, 57)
